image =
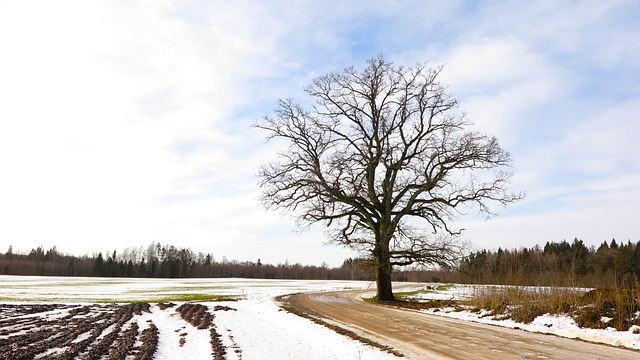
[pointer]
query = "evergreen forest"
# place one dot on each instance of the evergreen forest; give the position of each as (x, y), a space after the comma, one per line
(610, 265)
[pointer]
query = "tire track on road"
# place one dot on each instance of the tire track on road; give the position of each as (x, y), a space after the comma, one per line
(424, 336)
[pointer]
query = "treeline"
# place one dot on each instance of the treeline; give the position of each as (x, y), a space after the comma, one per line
(557, 264)
(168, 261)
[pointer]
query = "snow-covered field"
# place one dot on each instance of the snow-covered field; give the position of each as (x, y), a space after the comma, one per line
(257, 329)
(253, 327)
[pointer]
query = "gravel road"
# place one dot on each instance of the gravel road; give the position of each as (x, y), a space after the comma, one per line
(423, 336)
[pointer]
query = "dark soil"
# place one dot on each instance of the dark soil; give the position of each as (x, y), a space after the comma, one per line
(60, 332)
(56, 331)
(199, 316)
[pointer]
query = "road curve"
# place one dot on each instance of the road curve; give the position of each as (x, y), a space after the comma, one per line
(423, 336)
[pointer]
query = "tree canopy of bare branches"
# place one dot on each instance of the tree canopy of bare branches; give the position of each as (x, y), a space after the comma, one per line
(386, 161)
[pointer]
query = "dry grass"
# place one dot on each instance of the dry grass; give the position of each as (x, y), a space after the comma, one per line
(621, 305)
(524, 304)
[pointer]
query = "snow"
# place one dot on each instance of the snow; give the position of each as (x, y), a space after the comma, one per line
(559, 325)
(171, 326)
(259, 321)
(258, 328)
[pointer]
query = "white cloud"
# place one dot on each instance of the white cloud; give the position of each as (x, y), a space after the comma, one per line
(501, 80)
(490, 63)
(606, 142)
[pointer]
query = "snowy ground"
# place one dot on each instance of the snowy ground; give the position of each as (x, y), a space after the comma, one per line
(548, 324)
(256, 328)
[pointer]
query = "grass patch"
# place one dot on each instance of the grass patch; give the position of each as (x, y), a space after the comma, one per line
(427, 290)
(178, 289)
(405, 294)
(422, 304)
(153, 300)
(199, 297)
(445, 287)
(371, 300)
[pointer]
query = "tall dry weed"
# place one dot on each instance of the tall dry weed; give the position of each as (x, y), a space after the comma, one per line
(622, 306)
(525, 303)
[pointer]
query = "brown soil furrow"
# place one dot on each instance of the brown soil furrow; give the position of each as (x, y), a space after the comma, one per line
(199, 316)
(149, 339)
(72, 335)
(123, 345)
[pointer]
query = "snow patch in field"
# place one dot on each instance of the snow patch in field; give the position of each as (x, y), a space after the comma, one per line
(171, 329)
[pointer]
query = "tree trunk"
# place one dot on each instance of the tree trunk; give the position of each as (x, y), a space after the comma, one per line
(383, 274)
(383, 282)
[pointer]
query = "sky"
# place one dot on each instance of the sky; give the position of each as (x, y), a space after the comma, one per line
(127, 122)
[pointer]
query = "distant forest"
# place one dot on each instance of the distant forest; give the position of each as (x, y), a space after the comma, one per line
(168, 261)
(557, 264)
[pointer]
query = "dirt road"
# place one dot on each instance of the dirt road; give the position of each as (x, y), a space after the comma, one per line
(424, 336)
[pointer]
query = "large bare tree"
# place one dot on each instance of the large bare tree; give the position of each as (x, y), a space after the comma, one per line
(387, 162)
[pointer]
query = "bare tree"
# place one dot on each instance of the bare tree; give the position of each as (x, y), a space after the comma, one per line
(384, 159)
